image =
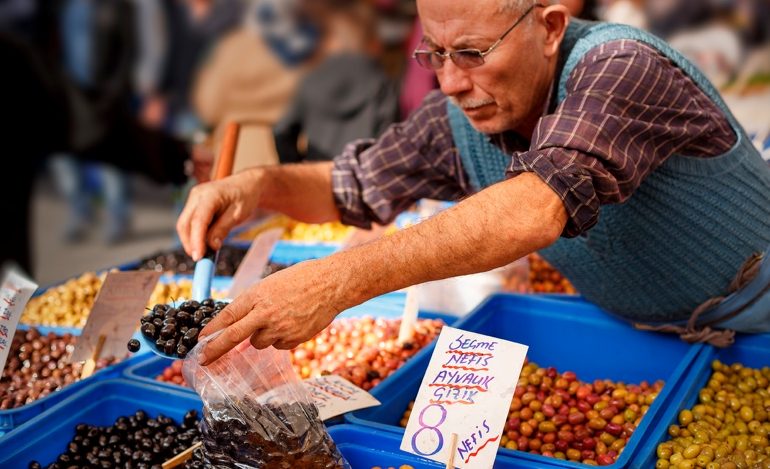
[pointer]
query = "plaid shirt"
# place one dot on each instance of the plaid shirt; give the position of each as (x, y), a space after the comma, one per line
(627, 109)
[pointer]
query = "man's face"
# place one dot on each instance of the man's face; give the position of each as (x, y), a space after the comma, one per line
(508, 91)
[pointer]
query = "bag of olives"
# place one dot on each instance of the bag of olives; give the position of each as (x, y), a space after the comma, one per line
(256, 412)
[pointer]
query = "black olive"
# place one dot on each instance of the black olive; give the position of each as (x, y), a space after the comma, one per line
(181, 350)
(134, 345)
(168, 331)
(169, 347)
(184, 318)
(150, 331)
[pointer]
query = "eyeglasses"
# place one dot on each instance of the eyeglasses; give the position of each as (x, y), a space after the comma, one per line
(464, 58)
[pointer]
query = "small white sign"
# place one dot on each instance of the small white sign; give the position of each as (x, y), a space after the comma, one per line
(115, 314)
(15, 292)
(254, 262)
(334, 395)
(466, 391)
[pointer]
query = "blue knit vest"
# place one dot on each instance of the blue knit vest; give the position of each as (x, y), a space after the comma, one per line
(682, 235)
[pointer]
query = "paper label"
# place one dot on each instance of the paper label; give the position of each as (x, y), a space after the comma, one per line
(254, 262)
(409, 315)
(116, 312)
(334, 395)
(15, 292)
(467, 390)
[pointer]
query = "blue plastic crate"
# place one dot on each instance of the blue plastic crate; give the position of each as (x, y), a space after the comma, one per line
(291, 252)
(749, 350)
(569, 335)
(365, 448)
(46, 436)
(12, 418)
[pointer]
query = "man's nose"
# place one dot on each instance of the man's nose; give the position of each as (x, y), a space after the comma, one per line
(452, 79)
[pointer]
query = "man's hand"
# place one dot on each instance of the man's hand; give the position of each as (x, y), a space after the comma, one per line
(214, 208)
(283, 310)
(203, 161)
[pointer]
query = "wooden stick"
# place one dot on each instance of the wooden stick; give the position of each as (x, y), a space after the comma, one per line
(181, 457)
(450, 464)
(227, 151)
(90, 364)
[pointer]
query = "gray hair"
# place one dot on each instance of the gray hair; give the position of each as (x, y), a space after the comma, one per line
(519, 6)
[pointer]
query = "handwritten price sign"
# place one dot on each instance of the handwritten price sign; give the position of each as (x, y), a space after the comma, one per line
(466, 391)
(334, 395)
(15, 292)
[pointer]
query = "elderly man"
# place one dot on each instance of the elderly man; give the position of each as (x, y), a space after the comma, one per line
(595, 144)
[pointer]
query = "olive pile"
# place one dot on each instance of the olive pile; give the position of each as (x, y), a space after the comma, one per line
(170, 292)
(66, 305)
(729, 426)
(175, 330)
(135, 441)
(329, 232)
(37, 366)
(177, 261)
(288, 435)
(543, 278)
(362, 350)
(555, 415)
(228, 260)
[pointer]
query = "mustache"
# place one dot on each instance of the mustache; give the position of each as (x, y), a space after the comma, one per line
(470, 103)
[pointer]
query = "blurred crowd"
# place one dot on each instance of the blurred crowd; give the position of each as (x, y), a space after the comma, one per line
(97, 90)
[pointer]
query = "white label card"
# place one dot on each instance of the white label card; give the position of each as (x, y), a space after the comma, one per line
(334, 395)
(116, 312)
(467, 390)
(254, 262)
(15, 292)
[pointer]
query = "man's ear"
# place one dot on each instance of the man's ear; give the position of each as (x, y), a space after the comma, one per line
(555, 18)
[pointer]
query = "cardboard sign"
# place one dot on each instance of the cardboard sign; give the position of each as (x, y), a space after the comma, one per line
(15, 292)
(466, 391)
(115, 315)
(254, 262)
(334, 395)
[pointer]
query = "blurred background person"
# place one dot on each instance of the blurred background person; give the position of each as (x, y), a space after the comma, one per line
(33, 126)
(249, 78)
(347, 95)
(192, 29)
(92, 50)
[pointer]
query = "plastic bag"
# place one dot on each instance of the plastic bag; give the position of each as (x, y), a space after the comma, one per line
(256, 412)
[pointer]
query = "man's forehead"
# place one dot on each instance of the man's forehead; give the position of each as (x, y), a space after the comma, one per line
(448, 22)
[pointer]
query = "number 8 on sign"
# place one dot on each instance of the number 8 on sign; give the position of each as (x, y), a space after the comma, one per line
(434, 428)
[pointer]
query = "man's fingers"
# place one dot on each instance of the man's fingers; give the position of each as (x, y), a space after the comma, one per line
(261, 339)
(199, 226)
(284, 344)
(223, 224)
(183, 226)
(230, 338)
(229, 315)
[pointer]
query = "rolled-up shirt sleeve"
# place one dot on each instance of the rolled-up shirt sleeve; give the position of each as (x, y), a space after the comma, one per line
(627, 110)
(374, 180)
